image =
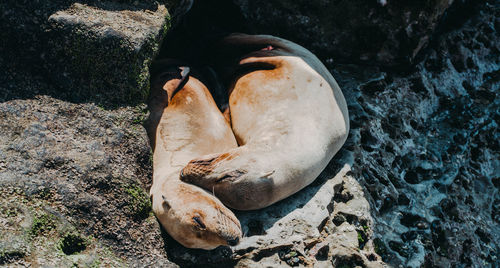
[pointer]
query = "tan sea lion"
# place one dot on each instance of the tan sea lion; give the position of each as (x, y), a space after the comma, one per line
(289, 116)
(185, 123)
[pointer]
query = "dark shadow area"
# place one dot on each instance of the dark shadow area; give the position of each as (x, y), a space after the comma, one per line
(185, 257)
(26, 37)
(196, 27)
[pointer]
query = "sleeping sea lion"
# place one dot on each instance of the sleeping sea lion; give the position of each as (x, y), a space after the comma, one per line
(185, 123)
(289, 117)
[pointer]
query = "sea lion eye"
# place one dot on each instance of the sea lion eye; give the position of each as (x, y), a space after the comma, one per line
(199, 222)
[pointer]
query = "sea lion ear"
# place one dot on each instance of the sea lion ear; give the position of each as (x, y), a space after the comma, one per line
(165, 202)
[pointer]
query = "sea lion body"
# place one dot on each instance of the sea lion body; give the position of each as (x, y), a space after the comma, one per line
(289, 117)
(189, 126)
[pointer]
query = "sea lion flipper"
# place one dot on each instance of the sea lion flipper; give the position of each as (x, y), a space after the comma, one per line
(227, 113)
(201, 167)
(185, 70)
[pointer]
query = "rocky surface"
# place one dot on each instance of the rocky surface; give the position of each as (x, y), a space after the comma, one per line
(72, 179)
(375, 31)
(415, 185)
(426, 148)
(327, 224)
(98, 50)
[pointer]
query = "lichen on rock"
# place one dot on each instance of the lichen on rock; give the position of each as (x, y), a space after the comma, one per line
(105, 52)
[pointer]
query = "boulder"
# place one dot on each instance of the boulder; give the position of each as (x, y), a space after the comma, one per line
(425, 147)
(96, 50)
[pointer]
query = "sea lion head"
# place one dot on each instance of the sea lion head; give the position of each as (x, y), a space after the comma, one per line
(195, 218)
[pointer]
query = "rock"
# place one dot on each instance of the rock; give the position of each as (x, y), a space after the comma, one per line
(76, 177)
(416, 183)
(382, 32)
(99, 51)
(425, 148)
(105, 52)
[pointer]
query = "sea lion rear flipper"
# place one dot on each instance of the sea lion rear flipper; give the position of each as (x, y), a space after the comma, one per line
(185, 70)
(226, 113)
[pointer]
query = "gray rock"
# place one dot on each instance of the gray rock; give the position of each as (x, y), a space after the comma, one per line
(98, 50)
(80, 166)
(105, 52)
(425, 145)
(301, 230)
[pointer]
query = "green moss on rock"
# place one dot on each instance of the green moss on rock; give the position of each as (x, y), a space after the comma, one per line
(104, 55)
(42, 223)
(138, 201)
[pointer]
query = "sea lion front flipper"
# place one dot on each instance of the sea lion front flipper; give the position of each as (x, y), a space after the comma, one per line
(201, 171)
(236, 186)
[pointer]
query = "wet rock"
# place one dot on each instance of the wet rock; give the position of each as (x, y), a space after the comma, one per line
(437, 125)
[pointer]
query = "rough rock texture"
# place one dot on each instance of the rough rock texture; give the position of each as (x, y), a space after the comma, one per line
(72, 179)
(98, 50)
(327, 224)
(426, 148)
(415, 185)
(385, 32)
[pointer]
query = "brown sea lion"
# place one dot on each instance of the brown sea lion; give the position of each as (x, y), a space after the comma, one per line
(289, 116)
(185, 123)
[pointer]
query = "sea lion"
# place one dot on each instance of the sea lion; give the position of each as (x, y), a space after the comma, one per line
(185, 123)
(289, 117)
